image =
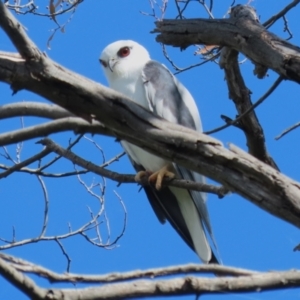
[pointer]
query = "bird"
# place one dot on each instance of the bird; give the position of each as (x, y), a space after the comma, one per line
(129, 70)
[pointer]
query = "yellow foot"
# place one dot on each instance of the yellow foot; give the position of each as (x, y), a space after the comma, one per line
(167, 171)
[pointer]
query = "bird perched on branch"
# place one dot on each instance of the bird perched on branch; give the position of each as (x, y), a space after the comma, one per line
(130, 71)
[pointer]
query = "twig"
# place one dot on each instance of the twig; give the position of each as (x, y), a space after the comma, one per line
(50, 163)
(125, 218)
(32, 10)
(286, 131)
(286, 28)
(274, 18)
(46, 210)
(62, 248)
(180, 70)
(258, 102)
(19, 166)
(127, 178)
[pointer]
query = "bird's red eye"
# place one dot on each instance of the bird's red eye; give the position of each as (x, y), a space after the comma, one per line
(123, 52)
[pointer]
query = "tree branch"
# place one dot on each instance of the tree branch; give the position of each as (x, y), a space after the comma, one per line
(128, 178)
(24, 163)
(35, 109)
(78, 125)
(28, 267)
(240, 95)
(279, 15)
(19, 280)
(233, 168)
(188, 285)
(241, 32)
(247, 281)
(16, 32)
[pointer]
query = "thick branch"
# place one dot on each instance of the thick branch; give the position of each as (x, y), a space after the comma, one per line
(35, 109)
(189, 285)
(28, 267)
(240, 95)
(241, 32)
(22, 282)
(78, 125)
(234, 169)
(23, 44)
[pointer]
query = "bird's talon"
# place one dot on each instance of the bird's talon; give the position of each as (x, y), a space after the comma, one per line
(157, 177)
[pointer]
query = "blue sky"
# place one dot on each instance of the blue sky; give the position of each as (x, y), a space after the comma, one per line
(247, 237)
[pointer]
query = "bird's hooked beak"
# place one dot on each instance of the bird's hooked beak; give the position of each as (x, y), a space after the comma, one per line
(111, 63)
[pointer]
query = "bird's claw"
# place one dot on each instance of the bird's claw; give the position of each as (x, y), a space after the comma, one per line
(157, 177)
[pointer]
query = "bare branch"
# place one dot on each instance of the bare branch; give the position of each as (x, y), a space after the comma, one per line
(248, 282)
(127, 178)
(250, 109)
(15, 31)
(236, 170)
(35, 109)
(22, 282)
(32, 8)
(46, 210)
(286, 131)
(240, 95)
(71, 145)
(24, 163)
(188, 285)
(78, 125)
(241, 32)
(279, 15)
(180, 70)
(28, 267)
(62, 248)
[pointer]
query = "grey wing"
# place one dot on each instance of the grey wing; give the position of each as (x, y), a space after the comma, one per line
(165, 206)
(169, 99)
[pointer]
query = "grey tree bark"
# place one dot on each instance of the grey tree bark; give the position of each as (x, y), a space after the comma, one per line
(91, 107)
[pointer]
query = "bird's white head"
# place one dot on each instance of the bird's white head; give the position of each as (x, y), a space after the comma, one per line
(122, 59)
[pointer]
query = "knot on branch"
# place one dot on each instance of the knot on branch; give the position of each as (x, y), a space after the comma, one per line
(260, 71)
(244, 11)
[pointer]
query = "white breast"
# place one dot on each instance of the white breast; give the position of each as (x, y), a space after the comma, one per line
(134, 89)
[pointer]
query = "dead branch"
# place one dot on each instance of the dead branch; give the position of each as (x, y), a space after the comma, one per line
(128, 178)
(288, 130)
(241, 32)
(281, 14)
(24, 163)
(188, 285)
(28, 267)
(36, 109)
(78, 125)
(236, 170)
(240, 95)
